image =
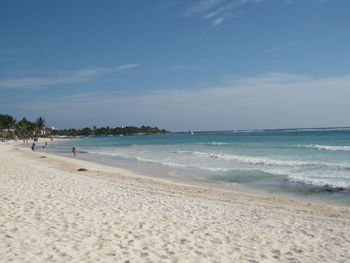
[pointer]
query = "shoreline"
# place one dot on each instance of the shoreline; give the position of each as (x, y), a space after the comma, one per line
(107, 171)
(163, 174)
(195, 181)
(119, 215)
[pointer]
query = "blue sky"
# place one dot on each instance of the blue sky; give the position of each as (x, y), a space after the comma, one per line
(177, 64)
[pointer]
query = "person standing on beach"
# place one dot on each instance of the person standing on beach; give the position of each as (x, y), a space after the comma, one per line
(33, 147)
(74, 151)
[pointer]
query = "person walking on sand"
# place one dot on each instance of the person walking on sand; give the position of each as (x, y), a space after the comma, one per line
(74, 151)
(33, 147)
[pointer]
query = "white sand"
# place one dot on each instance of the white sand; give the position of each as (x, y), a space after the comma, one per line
(49, 212)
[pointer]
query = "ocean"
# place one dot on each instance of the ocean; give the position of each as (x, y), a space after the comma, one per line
(313, 164)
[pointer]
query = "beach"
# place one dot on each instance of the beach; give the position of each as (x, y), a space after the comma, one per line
(301, 163)
(51, 212)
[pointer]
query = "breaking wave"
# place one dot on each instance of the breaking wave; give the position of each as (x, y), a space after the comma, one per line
(265, 161)
(215, 143)
(325, 147)
(326, 183)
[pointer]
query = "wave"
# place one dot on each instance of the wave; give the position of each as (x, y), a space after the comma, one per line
(295, 130)
(326, 183)
(324, 147)
(167, 162)
(325, 129)
(250, 160)
(303, 172)
(215, 143)
(164, 162)
(265, 161)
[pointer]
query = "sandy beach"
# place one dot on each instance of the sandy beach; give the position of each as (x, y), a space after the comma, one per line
(51, 212)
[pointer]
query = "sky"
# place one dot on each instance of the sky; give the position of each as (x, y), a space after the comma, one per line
(176, 64)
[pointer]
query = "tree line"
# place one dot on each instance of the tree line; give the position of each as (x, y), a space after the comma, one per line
(10, 128)
(22, 128)
(107, 131)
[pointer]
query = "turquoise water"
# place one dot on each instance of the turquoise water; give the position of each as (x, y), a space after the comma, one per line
(311, 163)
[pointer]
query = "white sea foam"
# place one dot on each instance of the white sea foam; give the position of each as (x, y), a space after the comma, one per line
(183, 161)
(248, 160)
(319, 174)
(325, 147)
(335, 183)
(251, 160)
(165, 162)
(215, 143)
(181, 165)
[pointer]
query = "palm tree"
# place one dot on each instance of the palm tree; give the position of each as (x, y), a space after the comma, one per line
(40, 124)
(23, 127)
(7, 122)
(10, 122)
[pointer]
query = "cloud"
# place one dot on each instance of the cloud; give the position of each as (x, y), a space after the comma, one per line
(218, 21)
(290, 44)
(7, 52)
(165, 4)
(202, 6)
(80, 76)
(226, 7)
(177, 68)
(97, 71)
(269, 50)
(216, 9)
(272, 100)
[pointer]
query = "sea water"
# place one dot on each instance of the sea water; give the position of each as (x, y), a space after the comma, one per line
(307, 163)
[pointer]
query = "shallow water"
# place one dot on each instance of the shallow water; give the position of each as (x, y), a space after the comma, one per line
(311, 163)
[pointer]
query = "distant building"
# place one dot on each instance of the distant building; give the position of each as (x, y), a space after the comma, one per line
(8, 131)
(5, 132)
(47, 131)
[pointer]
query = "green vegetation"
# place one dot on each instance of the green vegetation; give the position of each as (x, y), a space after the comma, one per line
(105, 131)
(7, 121)
(10, 128)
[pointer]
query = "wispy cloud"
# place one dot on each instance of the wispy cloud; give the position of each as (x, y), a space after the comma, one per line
(177, 68)
(97, 71)
(56, 78)
(217, 10)
(269, 50)
(293, 43)
(290, 44)
(7, 51)
(202, 6)
(272, 100)
(165, 4)
(218, 21)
